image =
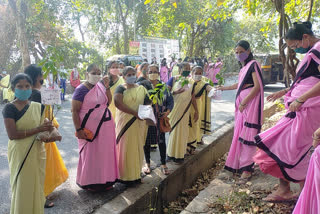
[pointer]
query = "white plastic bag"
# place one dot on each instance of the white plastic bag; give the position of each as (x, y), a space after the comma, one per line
(215, 94)
(145, 112)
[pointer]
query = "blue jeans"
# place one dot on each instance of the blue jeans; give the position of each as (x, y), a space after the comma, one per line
(63, 87)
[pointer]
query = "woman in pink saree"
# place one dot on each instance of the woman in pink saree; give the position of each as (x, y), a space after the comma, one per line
(248, 113)
(164, 71)
(97, 167)
(213, 70)
(75, 78)
(310, 196)
(284, 148)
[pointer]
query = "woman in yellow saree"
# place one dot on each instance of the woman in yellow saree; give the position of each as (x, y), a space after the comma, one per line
(5, 89)
(205, 111)
(201, 89)
(56, 171)
(112, 69)
(179, 116)
(131, 131)
(4, 81)
(26, 155)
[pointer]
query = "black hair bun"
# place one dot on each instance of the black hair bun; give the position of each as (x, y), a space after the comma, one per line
(307, 24)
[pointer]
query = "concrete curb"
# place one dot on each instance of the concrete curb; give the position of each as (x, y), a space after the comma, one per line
(158, 189)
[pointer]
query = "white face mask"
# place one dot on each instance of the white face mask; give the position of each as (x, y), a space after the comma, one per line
(197, 77)
(94, 79)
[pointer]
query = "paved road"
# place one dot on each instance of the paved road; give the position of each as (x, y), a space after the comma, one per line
(69, 198)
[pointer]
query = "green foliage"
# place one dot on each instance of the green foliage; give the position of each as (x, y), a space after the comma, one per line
(157, 94)
(209, 81)
(203, 27)
(51, 63)
(183, 81)
(220, 79)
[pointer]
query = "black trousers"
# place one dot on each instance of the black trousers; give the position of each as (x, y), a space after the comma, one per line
(155, 136)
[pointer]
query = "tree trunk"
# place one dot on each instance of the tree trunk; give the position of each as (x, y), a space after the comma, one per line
(118, 49)
(80, 29)
(7, 36)
(123, 16)
(19, 10)
(288, 61)
(192, 39)
(125, 37)
(310, 10)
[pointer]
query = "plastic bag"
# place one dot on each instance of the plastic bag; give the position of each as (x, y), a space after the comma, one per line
(215, 94)
(56, 171)
(145, 112)
(49, 136)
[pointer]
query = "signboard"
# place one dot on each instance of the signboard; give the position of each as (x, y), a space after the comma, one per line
(134, 44)
(134, 47)
(50, 96)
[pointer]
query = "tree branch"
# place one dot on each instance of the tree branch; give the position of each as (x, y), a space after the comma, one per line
(310, 10)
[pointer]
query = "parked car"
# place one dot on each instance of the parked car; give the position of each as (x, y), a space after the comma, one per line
(128, 60)
(272, 69)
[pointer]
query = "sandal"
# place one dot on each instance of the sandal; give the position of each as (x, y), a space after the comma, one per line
(146, 170)
(244, 180)
(191, 151)
(165, 170)
(48, 204)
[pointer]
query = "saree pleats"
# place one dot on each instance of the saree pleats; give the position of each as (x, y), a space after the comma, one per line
(179, 120)
(97, 158)
(247, 124)
(130, 145)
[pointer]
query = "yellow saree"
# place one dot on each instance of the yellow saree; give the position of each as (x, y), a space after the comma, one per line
(7, 93)
(131, 138)
(56, 171)
(195, 133)
(179, 119)
(205, 111)
(27, 177)
(112, 107)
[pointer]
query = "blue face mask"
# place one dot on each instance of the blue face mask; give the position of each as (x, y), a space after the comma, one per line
(22, 94)
(302, 50)
(131, 79)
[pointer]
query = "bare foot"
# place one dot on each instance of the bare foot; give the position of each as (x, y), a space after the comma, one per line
(147, 169)
(281, 196)
(246, 175)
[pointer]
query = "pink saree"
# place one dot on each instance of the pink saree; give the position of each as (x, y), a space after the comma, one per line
(308, 201)
(247, 124)
(213, 70)
(74, 79)
(284, 148)
(97, 157)
(164, 74)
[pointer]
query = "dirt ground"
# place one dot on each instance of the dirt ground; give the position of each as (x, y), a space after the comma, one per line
(217, 191)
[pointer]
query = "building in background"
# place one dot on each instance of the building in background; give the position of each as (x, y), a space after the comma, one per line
(150, 47)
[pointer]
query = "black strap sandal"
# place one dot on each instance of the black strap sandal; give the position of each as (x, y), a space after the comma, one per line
(48, 204)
